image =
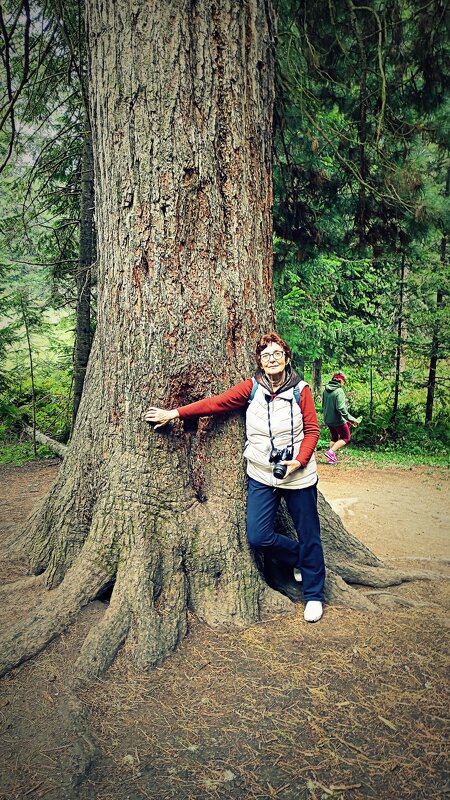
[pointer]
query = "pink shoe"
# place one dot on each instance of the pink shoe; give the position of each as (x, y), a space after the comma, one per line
(331, 457)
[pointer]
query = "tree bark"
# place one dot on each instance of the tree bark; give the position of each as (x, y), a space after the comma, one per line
(181, 110)
(431, 383)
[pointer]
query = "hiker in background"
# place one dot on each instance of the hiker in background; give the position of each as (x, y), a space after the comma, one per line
(336, 415)
(282, 432)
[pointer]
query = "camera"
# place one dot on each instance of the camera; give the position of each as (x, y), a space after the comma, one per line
(279, 470)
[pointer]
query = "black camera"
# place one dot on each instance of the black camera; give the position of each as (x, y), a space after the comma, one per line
(279, 470)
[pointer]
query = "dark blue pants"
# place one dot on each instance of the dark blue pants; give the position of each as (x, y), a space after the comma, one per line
(306, 553)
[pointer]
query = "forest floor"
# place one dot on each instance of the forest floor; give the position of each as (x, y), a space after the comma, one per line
(353, 707)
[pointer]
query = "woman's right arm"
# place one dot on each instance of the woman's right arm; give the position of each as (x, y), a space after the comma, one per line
(160, 415)
(234, 398)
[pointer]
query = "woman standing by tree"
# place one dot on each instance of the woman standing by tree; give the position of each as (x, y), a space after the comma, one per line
(282, 432)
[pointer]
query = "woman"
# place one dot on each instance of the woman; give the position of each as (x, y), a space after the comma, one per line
(282, 432)
(336, 415)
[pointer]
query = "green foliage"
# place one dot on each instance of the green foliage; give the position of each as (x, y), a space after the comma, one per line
(361, 185)
(40, 154)
(378, 433)
(52, 385)
(19, 452)
(392, 455)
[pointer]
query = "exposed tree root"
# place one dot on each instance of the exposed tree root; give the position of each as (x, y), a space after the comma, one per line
(388, 600)
(339, 592)
(379, 577)
(52, 615)
(21, 585)
(167, 560)
(273, 602)
(102, 643)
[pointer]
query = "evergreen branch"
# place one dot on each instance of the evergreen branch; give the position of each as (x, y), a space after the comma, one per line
(76, 60)
(380, 64)
(14, 96)
(44, 263)
(27, 75)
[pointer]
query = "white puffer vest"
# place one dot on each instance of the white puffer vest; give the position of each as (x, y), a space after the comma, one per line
(258, 446)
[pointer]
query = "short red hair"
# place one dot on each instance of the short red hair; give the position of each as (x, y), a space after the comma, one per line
(269, 338)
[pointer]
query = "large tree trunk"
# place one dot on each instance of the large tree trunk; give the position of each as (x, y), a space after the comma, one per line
(181, 116)
(181, 113)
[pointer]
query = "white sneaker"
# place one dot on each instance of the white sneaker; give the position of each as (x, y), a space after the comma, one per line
(313, 611)
(297, 575)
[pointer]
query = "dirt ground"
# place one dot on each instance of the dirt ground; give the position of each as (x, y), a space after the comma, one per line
(354, 707)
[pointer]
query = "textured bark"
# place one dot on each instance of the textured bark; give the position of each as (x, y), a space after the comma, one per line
(432, 372)
(181, 111)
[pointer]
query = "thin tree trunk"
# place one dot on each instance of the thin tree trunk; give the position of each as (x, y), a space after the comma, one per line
(435, 339)
(371, 383)
(433, 363)
(30, 359)
(317, 377)
(362, 125)
(86, 258)
(399, 345)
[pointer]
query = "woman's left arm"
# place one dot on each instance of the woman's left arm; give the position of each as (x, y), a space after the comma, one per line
(311, 427)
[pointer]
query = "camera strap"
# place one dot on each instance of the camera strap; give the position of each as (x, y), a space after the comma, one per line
(272, 443)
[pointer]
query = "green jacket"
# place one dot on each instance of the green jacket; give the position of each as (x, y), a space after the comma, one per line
(334, 405)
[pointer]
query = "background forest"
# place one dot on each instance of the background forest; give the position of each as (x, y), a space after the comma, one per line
(361, 216)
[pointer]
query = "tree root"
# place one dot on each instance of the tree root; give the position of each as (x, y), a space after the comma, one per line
(273, 602)
(379, 577)
(166, 564)
(21, 585)
(101, 644)
(340, 593)
(53, 615)
(388, 600)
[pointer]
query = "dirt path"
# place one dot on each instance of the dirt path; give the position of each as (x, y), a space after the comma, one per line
(352, 708)
(398, 513)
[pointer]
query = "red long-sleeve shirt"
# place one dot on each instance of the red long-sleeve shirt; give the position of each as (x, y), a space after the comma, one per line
(238, 397)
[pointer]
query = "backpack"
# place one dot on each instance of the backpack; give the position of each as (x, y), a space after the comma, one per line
(255, 387)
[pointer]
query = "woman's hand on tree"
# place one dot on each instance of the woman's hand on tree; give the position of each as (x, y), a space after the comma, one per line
(292, 466)
(161, 416)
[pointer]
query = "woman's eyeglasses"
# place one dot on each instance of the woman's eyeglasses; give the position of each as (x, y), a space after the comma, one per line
(278, 355)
